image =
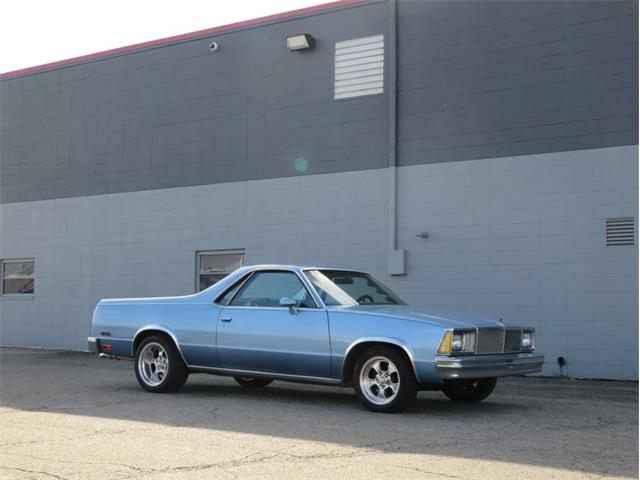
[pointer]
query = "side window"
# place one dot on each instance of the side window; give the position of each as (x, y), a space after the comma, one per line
(228, 295)
(265, 289)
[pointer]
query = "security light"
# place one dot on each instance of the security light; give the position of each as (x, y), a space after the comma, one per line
(300, 42)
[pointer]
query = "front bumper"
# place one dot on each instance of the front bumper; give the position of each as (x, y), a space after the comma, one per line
(487, 366)
(92, 343)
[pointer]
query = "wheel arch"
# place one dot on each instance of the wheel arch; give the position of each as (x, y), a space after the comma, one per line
(149, 330)
(355, 349)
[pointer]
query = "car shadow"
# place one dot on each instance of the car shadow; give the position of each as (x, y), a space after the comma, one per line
(433, 402)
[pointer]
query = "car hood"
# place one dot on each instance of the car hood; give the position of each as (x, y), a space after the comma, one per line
(444, 318)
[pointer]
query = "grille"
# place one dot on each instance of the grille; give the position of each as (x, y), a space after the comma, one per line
(512, 341)
(359, 67)
(490, 340)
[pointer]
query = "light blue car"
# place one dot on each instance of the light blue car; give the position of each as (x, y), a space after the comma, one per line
(313, 325)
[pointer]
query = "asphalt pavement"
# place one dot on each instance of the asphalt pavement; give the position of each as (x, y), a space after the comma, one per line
(73, 416)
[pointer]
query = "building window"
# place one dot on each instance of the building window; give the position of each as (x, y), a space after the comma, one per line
(359, 67)
(18, 276)
(212, 266)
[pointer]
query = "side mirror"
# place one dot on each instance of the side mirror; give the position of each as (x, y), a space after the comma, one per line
(290, 303)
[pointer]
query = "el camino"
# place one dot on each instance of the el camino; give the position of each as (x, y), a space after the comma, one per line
(313, 325)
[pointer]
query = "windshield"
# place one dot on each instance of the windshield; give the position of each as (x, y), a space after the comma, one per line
(339, 287)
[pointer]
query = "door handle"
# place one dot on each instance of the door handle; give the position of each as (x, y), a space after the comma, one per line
(225, 319)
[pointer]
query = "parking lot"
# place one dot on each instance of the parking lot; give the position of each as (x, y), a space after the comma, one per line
(74, 416)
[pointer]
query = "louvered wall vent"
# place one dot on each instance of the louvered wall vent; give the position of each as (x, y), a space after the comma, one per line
(359, 67)
(620, 231)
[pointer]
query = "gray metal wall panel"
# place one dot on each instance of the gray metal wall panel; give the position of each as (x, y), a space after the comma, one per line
(486, 79)
(179, 115)
(476, 80)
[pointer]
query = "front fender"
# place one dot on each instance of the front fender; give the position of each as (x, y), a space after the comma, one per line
(419, 340)
(390, 340)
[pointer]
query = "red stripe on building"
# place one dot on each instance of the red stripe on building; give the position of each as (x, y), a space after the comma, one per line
(183, 37)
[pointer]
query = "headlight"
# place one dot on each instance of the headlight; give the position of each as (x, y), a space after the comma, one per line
(463, 342)
(528, 341)
(458, 342)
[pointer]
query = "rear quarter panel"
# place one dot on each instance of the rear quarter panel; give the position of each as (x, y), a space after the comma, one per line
(193, 325)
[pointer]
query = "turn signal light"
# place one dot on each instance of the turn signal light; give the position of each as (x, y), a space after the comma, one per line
(445, 344)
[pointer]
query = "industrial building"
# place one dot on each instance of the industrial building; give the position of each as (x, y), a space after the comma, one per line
(477, 156)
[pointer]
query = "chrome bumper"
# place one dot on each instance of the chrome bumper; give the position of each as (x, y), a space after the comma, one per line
(486, 366)
(92, 343)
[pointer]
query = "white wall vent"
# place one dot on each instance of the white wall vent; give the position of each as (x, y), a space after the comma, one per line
(359, 67)
(620, 231)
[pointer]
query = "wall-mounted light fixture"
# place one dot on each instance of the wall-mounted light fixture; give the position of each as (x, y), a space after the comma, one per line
(303, 41)
(422, 236)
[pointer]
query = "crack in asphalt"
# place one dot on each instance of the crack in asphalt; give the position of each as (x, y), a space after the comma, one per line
(429, 472)
(24, 470)
(75, 462)
(253, 458)
(67, 439)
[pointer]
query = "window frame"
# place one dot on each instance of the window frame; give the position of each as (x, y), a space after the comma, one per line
(200, 253)
(238, 283)
(4, 261)
(244, 280)
(347, 270)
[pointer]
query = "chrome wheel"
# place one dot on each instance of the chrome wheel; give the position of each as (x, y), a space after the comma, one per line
(153, 364)
(379, 380)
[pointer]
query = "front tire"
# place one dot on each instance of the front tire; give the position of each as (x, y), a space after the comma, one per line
(469, 390)
(253, 382)
(384, 381)
(158, 365)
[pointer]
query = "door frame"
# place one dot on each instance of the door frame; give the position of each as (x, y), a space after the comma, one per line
(241, 283)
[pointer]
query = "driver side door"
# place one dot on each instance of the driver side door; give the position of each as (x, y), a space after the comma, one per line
(256, 334)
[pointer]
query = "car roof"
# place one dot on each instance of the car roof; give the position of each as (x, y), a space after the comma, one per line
(295, 267)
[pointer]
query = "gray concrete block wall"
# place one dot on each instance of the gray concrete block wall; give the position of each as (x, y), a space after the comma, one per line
(520, 238)
(144, 243)
(523, 238)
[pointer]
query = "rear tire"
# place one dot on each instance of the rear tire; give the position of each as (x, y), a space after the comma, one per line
(384, 380)
(469, 390)
(158, 365)
(253, 382)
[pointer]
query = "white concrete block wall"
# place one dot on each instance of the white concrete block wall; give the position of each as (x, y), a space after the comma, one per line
(523, 238)
(520, 238)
